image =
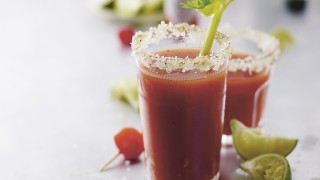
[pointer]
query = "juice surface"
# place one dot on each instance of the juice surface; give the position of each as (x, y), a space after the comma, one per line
(246, 95)
(182, 120)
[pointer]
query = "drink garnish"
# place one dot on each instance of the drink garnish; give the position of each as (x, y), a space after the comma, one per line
(214, 9)
(129, 141)
(125, 35)
(267, 48)
(126, 90)
(284, 36)
(142, 48)
(267, 166)
(251, 142)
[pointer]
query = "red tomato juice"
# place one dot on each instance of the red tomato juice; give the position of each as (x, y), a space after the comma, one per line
(182, 120)
(246, 95)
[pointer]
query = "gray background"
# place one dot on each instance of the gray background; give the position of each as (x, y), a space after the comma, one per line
(58, 60)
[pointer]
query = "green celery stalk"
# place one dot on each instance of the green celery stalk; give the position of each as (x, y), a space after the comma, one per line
(214, 9)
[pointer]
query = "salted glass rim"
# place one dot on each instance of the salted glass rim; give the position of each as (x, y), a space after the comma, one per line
(267, 45)
(141, 41)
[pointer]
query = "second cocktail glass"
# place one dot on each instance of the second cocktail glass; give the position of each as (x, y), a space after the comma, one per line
(254, 53)
(181, 97)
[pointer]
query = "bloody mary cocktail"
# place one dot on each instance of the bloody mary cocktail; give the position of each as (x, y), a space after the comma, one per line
(248, 78)
(181, 108)
(246, 95)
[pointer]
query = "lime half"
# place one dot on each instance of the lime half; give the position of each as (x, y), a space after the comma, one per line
(268, 167)
(251, 142)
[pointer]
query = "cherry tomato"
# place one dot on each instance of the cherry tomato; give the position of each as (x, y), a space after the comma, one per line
(130, 143)
(125, 35)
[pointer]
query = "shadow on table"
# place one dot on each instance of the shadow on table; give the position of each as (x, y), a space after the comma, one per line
(229, 165)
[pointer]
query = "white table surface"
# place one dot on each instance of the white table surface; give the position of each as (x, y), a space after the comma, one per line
(59, 58)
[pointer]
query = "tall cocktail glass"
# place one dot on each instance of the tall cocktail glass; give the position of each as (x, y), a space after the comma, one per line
(249, 70)
(181, 98)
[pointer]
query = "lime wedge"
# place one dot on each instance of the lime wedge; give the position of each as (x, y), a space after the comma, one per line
(267, 167)
(284, 36)
(251, 142)
(126, 90)
(128, 8)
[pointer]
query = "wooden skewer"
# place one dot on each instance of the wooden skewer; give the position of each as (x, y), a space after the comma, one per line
(104, 167)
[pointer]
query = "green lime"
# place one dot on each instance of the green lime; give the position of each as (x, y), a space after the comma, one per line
(267, 167)
(128, 8)
(108, 4)
(153, 7)
(284, 36)
(126, 90)
(251, 142)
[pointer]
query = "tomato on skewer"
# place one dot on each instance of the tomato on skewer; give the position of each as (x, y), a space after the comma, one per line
(129, 142)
